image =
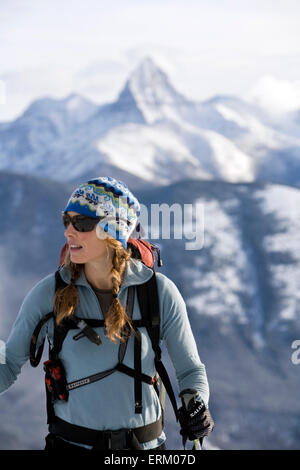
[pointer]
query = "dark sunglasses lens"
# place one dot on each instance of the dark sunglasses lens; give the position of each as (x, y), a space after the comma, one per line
(81, 223)
(66, 220)
(84, 224)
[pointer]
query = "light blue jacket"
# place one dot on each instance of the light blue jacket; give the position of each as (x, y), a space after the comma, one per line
(108, 403)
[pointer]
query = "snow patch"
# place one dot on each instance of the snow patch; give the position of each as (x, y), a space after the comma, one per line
(136, 148)
(284, 203)
(222, 285)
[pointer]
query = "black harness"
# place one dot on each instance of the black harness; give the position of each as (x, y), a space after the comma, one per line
(58, 388)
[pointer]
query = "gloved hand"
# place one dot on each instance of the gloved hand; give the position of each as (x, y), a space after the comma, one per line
(194, 417)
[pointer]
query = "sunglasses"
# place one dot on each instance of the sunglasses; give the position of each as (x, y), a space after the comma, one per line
(81, 223)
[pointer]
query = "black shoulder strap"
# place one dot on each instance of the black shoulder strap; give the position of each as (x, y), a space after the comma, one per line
(59, 282)
(149, 305)
(35, 358)
(60, 331)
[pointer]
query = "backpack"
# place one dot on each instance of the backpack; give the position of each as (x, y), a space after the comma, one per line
(57, 387)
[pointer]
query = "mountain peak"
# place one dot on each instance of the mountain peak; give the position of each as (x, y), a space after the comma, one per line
(149, 87)
(147, 69)
(79, 107)
(74, 107)
(149, 76)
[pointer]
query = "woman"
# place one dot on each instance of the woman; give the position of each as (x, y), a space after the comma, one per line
(101, 389)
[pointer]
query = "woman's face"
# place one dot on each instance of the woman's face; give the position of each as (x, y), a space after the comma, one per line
(91, 247)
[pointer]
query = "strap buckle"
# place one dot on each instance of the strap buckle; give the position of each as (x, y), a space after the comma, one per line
(154, 379)
(116, 440)
(87, 331)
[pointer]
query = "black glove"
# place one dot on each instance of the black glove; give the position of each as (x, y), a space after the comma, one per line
(194, 417)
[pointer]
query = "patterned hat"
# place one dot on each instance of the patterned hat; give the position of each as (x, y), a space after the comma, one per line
(106, 197)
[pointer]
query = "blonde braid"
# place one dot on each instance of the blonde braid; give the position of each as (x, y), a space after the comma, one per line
(67, 298)
(117, 320)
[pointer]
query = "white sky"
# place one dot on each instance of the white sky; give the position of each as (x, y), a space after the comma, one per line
(207, 47)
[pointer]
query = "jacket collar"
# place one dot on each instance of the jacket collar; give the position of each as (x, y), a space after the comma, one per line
(135, 273)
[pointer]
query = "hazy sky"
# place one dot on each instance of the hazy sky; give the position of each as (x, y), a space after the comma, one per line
(207, 47)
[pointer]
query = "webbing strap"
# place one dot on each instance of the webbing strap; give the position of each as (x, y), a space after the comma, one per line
(90, 379)
(60, 331)
(92, 437)
(101, 375)
(138, 369)
(132, 373)
(129, 311)
(35, 358)
(168, 386)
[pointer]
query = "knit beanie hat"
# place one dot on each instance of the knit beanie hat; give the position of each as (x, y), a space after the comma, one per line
(111, 199)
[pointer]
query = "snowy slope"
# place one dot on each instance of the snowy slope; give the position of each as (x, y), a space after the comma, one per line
(283, 248)
(247, 274)
(153, 133)
(254, 234)
(150, 152)
(274, 150)
(45, 122)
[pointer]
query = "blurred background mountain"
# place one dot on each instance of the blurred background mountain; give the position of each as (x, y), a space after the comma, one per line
(241, 288)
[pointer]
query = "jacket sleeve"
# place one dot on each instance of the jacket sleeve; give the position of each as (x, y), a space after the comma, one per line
(15, 352)
(177, 333)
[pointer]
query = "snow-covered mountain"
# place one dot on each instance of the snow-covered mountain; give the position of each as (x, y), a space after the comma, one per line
(150, 89)
(241, 290)
(43, 123)
(151, 134)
